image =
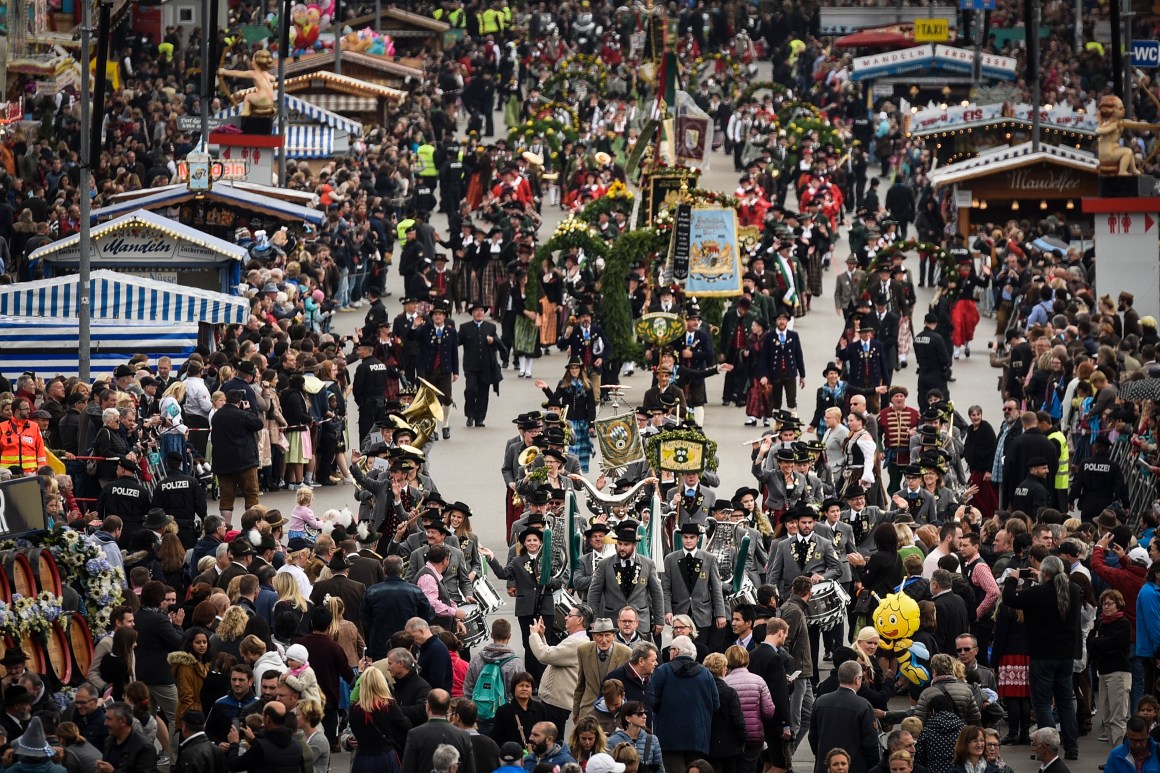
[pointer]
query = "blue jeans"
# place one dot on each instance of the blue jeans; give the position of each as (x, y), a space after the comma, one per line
(1138, 672)
(1053, 679)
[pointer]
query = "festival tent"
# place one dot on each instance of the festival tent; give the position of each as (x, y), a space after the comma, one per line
(130, 314)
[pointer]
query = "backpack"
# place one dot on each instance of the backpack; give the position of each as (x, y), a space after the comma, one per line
(490, 692)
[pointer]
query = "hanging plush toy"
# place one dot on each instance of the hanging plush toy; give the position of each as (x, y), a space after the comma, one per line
(897, 619)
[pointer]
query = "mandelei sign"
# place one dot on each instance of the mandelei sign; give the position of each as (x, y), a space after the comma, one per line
(1037, 181)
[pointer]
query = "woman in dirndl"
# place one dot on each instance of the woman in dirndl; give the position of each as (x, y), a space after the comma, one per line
(964, 307)
(1009, 651)
(173, 430)
(757, 402)
(526, 346)
(296, 410)
(551, 297)
(575, 393)
(492, 252)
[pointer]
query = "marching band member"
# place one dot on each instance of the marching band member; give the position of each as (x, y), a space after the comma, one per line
(691, 583)
(455, 575)
(628, 579)
(784, 487)
(691, 500)
(459, 520)
(805, 554)
(532, 600)
(528, 426)
(730, 518)
(591, 557)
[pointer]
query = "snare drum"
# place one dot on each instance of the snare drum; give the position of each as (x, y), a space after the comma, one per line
(474, 623)
(486, 594)
(747, 595)
(564, 602)
(827, 605)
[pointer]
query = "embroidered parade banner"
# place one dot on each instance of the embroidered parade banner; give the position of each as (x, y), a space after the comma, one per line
(714, 254)
(619, 439)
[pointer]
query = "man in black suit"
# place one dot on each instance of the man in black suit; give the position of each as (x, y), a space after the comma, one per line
(587, 341)
(867, 368)
(350, 591)
(422, 741)
(886, 321)
(695, 353)
(437, 359)
(241, 555)
(950, 608)
(842, 719)
(480, 341)
(782, 363)
(768, 660)
(1045, 746)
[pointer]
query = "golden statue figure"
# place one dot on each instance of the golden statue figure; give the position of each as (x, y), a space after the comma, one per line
(1116, 158)
(260, 101)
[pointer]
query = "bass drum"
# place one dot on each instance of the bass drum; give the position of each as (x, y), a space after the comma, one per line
(475, 624)
(827, 605)
(564, 602)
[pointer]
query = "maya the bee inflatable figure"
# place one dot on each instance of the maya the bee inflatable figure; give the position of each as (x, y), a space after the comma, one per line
(896, 619)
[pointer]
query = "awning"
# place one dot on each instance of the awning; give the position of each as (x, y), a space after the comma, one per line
(344, 103)
(226, 194)
(304, 198)
(50, 346)
(309, 141)
(1013, 157)
(307, 111)
(117, 296)
(143, 237)
(887, 38)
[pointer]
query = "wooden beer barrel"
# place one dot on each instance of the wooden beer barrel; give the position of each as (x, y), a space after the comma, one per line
(80, 640)
(21, 578)
(58, 654)
(45, 569)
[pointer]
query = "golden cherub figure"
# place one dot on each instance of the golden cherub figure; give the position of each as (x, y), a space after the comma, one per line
(1111, 130)
(260, 101)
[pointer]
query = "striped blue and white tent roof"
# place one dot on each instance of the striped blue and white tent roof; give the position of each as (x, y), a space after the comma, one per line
(117, 296)
(228, 194)
(310, 141)
(50, 346)
(312, 112)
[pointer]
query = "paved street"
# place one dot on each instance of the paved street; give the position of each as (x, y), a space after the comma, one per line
(467, 466)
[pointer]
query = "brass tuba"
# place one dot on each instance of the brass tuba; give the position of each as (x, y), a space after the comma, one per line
(528, 455)
(364, 465)
(424, 413)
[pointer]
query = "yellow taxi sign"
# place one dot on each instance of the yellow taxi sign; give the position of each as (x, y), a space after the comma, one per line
(931, 30)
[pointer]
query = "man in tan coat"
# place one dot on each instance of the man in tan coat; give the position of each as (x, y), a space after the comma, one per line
(558, 684)
(597, 658)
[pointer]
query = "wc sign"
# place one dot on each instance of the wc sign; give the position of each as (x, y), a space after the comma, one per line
(1146, 53)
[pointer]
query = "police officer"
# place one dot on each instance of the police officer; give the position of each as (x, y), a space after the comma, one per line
(1031, 495)
(451, 180)
(370, 385)
(931, 358)
(1098, 481)
(182, 497)
(125, 496)
(377, 312)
